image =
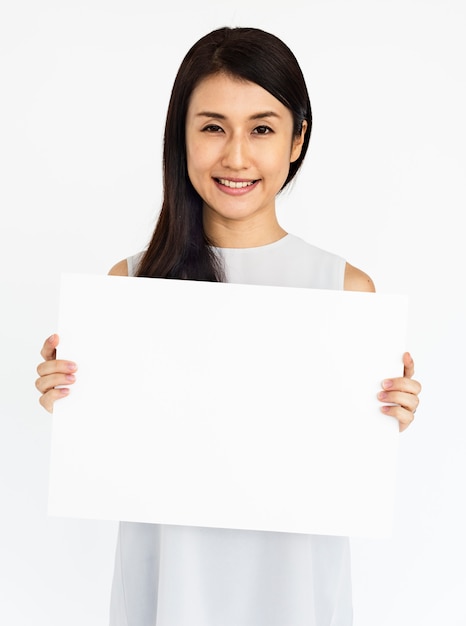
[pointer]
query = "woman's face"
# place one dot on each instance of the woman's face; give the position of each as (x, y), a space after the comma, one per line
(239, 144)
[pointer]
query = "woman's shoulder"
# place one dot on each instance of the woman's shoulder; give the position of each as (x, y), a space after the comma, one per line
(357, 280)
(352, 278)
(127, 267)
(119, 269)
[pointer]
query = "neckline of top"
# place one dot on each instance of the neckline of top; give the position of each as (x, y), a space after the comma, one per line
(266, 246)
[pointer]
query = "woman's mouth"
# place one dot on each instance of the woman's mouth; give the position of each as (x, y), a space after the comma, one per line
(235, 184)
(235, 187)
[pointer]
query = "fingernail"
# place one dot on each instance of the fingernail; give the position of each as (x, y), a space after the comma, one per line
(51, 338)
(70, 377)
(382, 395)
(64, 391)
(387, 384)
(71, 366)
(385, 409)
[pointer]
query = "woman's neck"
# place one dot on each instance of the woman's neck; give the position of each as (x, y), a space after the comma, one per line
(243, 234)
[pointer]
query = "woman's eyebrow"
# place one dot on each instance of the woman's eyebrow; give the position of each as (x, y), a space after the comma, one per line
(260, 116)
(217, 116)
(255, 116)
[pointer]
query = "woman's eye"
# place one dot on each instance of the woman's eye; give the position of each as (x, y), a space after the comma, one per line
(212, 128)
(263, 130)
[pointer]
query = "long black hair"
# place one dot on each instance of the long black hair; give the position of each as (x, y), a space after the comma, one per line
(179, 247)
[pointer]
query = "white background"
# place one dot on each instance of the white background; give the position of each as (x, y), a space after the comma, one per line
(84, 89)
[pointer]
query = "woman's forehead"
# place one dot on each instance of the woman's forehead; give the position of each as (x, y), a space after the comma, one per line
(223, 94)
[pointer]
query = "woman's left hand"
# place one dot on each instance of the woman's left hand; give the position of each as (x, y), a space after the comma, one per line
(402, 394)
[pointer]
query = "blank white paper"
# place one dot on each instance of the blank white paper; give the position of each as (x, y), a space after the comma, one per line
(230, 406)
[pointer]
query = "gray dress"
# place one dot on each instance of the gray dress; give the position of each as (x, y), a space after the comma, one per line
(189, 576)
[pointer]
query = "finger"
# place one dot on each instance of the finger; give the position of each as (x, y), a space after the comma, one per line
(45, 383)
(407, 401)
(49, 349)
(47, 400)
(47, 368)
(405, 384)
(408, 365)
(404, 416)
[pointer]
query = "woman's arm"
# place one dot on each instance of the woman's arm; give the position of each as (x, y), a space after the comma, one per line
(401, 394)
(61, 373)
(120, 269)
(357, 280)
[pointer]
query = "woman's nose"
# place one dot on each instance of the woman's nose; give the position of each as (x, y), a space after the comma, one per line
(236, 155)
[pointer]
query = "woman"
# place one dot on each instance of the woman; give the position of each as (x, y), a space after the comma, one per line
(237, 131)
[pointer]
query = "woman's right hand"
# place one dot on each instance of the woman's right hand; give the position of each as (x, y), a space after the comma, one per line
(53, 373)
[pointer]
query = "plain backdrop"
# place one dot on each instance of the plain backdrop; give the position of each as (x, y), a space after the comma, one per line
(84, 90)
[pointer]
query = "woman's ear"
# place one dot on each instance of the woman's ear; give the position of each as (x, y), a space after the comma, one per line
(298, 143)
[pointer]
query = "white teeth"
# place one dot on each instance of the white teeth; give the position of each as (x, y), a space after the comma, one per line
(234, 185)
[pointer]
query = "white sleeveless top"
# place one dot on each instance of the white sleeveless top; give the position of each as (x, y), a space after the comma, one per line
(188, 576)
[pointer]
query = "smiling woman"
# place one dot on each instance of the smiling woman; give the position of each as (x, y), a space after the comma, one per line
(237, 130)
(238, 158)
(247, 63)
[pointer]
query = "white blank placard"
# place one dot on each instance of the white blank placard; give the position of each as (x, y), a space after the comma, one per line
(223, 405)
